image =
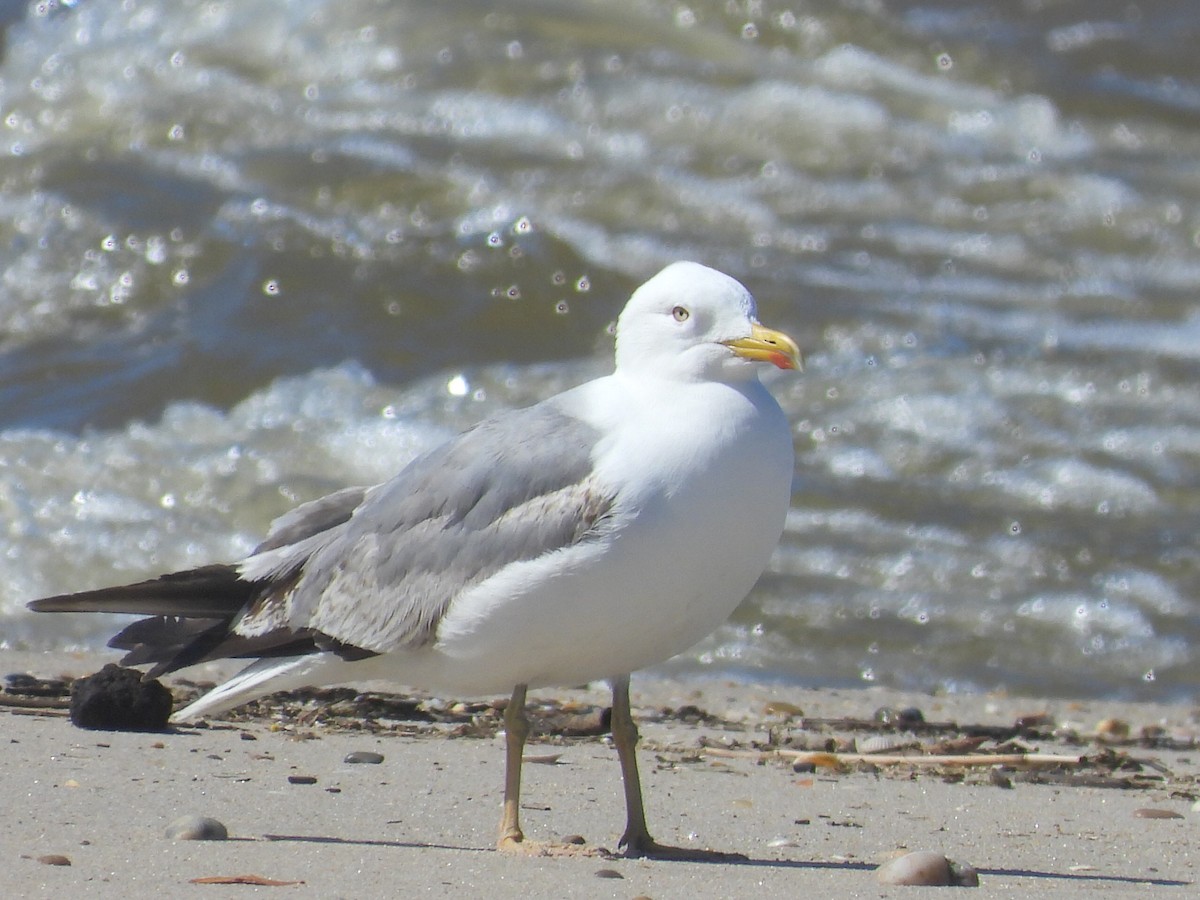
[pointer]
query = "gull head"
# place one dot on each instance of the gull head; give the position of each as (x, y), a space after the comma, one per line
(691, 322)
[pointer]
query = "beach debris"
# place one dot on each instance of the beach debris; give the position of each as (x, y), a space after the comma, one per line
(1112, 730)
(302, 779)
(1155, 813)
(258, 880)
(589, 723)
(608, 873)
(577, 840)
(928, 868)
(54, 859)
(363, 757)
(899, 718)
(117, 699)
(26, 685)
(197, 828)
(783, 708)
(1031, 721)
(883, 743)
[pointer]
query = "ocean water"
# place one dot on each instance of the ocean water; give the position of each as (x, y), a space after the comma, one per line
(251, 252)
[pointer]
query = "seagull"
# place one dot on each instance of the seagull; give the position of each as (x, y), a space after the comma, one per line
(595, 533)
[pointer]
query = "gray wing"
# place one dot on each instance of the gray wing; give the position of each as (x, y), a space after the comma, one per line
(512, 488)
(312, 518)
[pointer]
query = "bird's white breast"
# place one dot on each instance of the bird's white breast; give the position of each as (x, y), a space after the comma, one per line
(702, 492)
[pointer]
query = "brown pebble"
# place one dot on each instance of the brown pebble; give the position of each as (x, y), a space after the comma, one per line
(247, 736)
(574, 839)
(608, 873)
(54, 859)
(584, 724)
(1111, 729)
(302, 779)
(926, 867)
(1147, 812)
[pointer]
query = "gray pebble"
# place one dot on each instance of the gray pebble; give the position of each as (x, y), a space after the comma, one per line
(196, 828)
(926, 867)
(364, 756)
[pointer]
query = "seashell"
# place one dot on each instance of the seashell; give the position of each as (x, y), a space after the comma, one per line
(882, 743)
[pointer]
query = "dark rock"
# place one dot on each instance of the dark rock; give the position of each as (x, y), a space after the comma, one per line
(367, 757)
(116, 699)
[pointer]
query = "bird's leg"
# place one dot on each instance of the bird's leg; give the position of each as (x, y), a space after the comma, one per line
(637, 841)
(516, 730)
(512, 839)
(625, 737)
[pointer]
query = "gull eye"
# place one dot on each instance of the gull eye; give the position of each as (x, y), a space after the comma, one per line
(680, 314)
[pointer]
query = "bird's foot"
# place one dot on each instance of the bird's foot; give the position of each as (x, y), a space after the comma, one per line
(518, 844)
(645, 847)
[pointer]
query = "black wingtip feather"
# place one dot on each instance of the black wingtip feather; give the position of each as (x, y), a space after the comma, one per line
(209, 592)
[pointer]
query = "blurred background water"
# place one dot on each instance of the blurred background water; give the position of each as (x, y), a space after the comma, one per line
(253, 251)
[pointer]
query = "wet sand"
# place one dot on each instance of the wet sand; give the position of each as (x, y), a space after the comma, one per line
(722, 766)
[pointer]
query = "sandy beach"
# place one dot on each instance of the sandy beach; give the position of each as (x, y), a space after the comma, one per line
(724, 766)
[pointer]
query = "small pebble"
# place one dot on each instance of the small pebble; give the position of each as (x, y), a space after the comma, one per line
(1151, 813)
(926, 867)
(608, 873)
(302, 779)
(1000, 779)
(197, 828)
(54, 859)
(574, 839)
(366, 757)
(1034, 720)
(899, 718)
(1112, 729)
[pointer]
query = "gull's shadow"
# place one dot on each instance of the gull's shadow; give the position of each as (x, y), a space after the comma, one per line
(1073, 877)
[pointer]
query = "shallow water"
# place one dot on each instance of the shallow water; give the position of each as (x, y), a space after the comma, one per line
(251, 252)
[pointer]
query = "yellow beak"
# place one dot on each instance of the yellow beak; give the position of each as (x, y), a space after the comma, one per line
(768, 345)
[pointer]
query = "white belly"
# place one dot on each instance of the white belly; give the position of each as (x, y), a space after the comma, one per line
(680, 553)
